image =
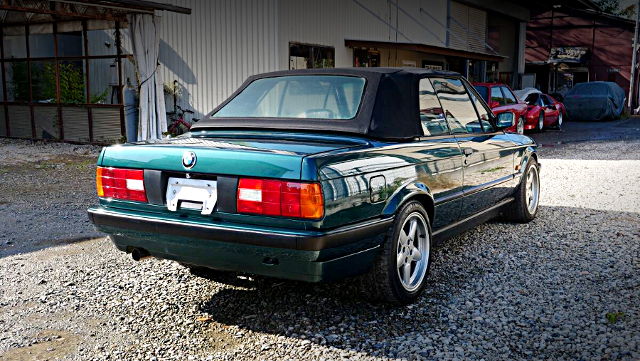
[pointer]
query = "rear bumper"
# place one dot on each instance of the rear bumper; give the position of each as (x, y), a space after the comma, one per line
(302, 255)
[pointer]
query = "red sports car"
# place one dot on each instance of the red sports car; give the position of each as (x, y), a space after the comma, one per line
(543, 112)
(503, 100)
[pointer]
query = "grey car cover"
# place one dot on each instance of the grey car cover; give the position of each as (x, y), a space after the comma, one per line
(596, 100)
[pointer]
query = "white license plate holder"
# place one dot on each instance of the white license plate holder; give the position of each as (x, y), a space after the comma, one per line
(192, 191)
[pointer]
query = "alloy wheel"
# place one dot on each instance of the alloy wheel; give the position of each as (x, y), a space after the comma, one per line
(560, 120)
(541, 122)
(413, 249)
(520, 127)
(532, 190)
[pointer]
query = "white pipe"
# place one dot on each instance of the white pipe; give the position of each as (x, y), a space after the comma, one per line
(635, 56)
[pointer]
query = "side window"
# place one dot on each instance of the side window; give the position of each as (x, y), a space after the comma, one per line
(496, 95)
(431, 114)
(483, 111)
(458, 107)
(547, 100)
(508, 95)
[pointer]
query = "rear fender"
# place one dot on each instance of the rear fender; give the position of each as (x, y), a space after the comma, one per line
(406, 192)
(523, 159)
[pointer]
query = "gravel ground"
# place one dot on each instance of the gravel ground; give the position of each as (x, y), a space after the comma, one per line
(45, 190)
(565, 286)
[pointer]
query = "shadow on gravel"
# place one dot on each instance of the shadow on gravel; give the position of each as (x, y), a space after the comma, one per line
(487, 263)
(338, 313)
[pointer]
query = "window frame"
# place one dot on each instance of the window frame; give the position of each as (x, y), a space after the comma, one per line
(492, 116)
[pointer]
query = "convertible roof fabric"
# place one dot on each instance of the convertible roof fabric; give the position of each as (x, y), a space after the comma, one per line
(389, 107)
(594, 101)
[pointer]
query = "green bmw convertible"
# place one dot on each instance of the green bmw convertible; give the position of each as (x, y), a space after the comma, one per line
(322, 174)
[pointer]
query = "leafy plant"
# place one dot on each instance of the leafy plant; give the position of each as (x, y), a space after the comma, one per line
(100, 98)
(20, 77)
(612, 317)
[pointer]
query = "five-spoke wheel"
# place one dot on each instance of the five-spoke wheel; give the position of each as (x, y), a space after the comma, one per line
(413, 242)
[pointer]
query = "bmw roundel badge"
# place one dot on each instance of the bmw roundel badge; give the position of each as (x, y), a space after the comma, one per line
(189, 159)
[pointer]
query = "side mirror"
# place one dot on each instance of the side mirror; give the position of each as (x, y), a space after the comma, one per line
(506, 120)
(494, 105)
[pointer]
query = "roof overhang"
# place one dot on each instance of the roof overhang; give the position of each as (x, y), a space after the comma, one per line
(41, 11)
(422, 48)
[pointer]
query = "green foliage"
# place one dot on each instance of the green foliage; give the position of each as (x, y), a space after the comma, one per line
(43, 80)
(71, 83)
(613, 7)
(612, 317)
(100, 98)
(20, 77)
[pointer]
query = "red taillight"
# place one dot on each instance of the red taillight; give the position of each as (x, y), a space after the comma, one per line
(280, 198)
(126, 184)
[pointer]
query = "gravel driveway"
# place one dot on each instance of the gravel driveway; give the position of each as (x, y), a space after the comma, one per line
(565, 286)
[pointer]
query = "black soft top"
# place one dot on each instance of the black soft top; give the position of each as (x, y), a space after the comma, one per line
(389, 107)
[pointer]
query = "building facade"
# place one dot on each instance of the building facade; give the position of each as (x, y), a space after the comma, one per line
(207, 54)
(566, 46)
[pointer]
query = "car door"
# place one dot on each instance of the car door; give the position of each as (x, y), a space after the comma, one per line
(488, 154)
(443, 170)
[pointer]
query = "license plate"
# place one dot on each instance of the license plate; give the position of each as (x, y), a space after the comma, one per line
(192, 194)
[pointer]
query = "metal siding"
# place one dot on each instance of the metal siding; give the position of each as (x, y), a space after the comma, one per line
(213, 50)
(475, 21)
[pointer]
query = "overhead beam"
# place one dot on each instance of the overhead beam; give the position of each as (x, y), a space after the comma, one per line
(59, 13)
(422, 48)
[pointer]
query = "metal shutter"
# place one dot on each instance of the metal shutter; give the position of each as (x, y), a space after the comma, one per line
(475, 22)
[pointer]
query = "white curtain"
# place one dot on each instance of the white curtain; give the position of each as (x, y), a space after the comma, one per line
(145, 35)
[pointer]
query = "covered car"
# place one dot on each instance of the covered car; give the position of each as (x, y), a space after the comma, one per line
(524, 93)
(596, 100)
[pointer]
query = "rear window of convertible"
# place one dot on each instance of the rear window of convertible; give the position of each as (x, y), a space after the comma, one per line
(300, 96)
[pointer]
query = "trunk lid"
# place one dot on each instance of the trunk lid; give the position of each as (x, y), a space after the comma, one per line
(247, 154)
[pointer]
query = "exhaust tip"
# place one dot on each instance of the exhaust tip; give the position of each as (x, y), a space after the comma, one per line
(139, 253)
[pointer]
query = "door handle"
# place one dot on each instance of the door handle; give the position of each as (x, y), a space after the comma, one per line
(468, 151)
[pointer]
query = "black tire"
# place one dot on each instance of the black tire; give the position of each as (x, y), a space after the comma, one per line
(383, 283)
(518, 210)
(540, 123)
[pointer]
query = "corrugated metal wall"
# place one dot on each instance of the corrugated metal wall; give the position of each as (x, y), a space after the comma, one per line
(474, 21)
(213, 50)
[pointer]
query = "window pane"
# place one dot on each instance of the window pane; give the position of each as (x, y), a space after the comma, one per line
(496, 95)
(72, 82)
(483, 111)
(532, 99)
(102, 42)
(70, 43)
(103, 75)
(41, 43)
(311, 96)
(511, 99)
(17, 75)
(15, 42)
(458, 108)
(303, 56)
(483, 91)
(43, 81)
(431, 114)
